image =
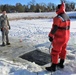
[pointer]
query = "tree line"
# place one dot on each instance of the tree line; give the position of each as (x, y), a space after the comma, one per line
(32, 6)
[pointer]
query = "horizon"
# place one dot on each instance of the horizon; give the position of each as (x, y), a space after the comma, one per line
(26, 2)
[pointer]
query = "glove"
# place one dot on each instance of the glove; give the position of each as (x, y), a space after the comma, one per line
(50, 39)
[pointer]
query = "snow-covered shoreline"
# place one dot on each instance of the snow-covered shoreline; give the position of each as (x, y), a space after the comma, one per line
(32, 15)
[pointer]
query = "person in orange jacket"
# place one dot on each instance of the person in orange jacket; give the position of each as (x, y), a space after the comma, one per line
(59, 36)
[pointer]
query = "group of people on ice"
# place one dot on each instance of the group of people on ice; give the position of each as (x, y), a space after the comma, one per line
(58, 36)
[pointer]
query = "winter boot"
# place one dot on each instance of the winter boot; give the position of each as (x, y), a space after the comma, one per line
(52, 68)
(7, 43)
(3, 44)
(60, 64)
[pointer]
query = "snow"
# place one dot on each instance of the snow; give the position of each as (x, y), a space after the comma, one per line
(36, 31)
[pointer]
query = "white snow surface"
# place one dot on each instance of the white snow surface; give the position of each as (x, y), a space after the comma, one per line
(36, 31)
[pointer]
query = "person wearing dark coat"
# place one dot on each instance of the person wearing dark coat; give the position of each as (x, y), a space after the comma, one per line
(4, 26)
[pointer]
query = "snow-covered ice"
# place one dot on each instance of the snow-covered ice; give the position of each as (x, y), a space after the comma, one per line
(36, 31)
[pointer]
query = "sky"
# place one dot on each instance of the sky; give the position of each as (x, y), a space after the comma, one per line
(13, 2)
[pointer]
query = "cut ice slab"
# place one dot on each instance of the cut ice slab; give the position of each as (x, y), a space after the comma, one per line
(37, 56)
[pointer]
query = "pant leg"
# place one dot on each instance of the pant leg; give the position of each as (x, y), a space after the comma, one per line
(7, 38)
(3, 36)
(55, 52)
(54, 56)
(63, 52)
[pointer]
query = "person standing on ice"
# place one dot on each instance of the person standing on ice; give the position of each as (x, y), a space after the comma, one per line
(4, 26)
(59, 36)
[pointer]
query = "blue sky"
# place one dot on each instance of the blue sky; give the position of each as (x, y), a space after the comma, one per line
(13, 2)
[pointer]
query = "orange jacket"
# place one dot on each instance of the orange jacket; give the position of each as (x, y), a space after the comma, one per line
(61, 24)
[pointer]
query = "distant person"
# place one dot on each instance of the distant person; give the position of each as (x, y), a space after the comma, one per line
(59, 36)
(4, 26)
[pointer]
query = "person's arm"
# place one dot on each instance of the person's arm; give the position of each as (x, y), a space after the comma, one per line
(8, 22)
(55, 27)
(56, 23)
(53, 31)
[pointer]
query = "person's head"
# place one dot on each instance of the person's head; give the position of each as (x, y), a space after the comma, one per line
(60, 8)
(3, 12)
